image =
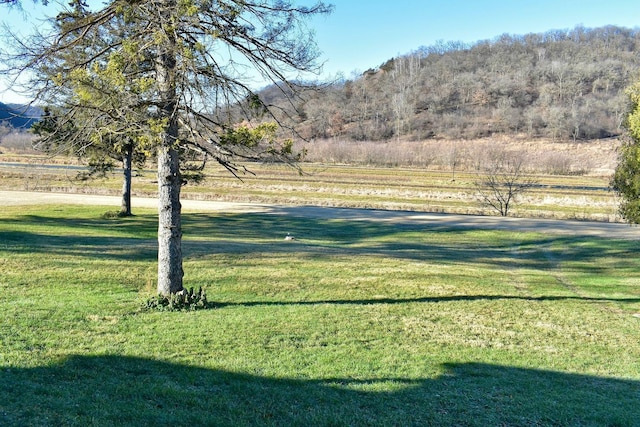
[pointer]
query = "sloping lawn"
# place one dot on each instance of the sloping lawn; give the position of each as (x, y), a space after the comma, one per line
(352, 323)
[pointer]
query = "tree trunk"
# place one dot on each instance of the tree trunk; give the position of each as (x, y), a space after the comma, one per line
(125, 208)
(170, 271)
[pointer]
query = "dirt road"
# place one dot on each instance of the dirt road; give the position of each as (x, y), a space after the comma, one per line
(437, 221)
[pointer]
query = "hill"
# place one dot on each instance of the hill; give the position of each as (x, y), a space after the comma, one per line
(18, 116)
(559, 85)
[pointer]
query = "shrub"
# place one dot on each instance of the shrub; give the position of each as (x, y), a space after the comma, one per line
(180, 301)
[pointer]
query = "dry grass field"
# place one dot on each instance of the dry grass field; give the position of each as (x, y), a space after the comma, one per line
(433, 176)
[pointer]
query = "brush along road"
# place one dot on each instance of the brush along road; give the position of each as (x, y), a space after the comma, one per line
(436, 221)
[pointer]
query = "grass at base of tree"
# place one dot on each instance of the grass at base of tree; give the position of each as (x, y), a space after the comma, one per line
(352, 323)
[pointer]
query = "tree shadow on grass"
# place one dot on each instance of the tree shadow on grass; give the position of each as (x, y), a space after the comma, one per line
(317, 237)
(115, 390)
(129, 238)
(142, 226)
(94, 247)
(427, 300)
(246, 234)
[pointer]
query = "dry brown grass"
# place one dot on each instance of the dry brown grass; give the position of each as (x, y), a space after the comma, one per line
(574, 178)
(596, 157)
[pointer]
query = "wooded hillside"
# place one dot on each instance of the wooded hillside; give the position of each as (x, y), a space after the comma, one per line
(564, 85)
(18, 117)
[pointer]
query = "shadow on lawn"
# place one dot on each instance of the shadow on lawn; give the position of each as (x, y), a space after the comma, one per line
(97, 238)
(114, 390)
(220, 233)
(442, 299)
(317, 237)
(95, 247)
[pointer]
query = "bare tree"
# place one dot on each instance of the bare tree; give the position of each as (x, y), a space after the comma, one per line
(454, 156)
(403, 79)
(4, 130)
(502, 179)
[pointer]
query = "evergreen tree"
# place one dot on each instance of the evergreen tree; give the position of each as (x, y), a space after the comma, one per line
(626, 179)
(163, 73)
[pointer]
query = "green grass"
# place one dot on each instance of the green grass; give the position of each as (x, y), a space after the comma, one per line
(353, 323)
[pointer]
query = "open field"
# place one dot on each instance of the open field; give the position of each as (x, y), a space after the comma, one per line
(584, 197)
(354, 323)
(573, 177)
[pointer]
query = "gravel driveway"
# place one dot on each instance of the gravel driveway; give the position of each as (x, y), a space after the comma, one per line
(573, 228)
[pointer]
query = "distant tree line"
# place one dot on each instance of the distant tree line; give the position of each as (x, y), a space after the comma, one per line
(562, 84)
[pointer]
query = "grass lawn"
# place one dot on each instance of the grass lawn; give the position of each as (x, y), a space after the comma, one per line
(353, 323)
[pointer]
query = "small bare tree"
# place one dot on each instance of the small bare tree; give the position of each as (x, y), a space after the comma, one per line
(455, 157)
(4, 131)
(502, 178)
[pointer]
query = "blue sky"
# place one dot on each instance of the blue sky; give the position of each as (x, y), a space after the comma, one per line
(362, 34)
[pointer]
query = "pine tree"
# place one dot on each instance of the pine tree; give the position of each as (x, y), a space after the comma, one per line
(164, 73)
